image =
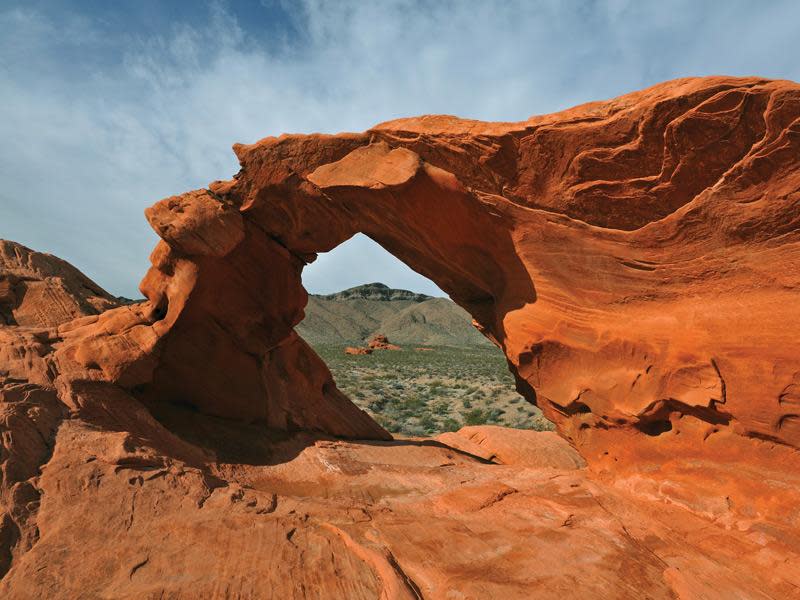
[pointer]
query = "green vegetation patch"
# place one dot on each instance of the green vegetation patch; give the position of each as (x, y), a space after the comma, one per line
(426, 393)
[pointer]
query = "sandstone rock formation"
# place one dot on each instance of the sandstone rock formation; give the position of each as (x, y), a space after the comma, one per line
(381, 342)
(41, 290)
(356, 350)
(636, 260)
(378, 342)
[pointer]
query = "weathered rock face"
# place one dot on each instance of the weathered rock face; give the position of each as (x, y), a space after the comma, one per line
(635, 259)
(41, 290)
(323, 519)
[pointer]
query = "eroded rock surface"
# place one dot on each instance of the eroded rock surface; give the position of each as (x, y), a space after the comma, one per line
(636, 260)
(42, 290)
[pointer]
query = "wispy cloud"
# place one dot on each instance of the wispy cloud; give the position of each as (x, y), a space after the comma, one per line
(98, 124)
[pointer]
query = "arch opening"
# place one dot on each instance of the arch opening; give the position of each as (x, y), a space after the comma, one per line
(434, 373)
(230, 267)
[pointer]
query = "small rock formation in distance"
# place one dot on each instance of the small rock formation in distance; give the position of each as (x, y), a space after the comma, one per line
(356, 350)
(381, 342)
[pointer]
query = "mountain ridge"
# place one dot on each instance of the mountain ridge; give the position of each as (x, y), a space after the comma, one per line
(355, 314)
(375, 291)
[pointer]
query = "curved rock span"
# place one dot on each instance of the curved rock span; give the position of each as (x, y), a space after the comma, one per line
(638, 262)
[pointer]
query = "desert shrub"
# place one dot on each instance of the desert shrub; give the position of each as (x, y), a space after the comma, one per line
(414, 403)
(450, 424)
(378, 404)
(428, 423)
(476, 416)
(494, 415)
(412, 430)
(403, 389)
(389, 425)
(440, 408)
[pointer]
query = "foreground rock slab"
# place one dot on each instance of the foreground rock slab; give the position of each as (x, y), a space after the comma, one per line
(254, 516)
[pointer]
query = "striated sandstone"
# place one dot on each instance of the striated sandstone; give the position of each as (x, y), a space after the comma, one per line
(41, 290)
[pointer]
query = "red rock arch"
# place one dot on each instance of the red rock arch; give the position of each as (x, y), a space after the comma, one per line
(635, 259)
(244, 257)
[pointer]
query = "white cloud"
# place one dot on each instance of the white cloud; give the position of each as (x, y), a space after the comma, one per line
(96, 127)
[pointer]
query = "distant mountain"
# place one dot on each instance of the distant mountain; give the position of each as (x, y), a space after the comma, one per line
(375, 291)
(354, 315)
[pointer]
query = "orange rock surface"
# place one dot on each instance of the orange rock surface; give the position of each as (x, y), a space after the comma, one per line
(637, 261)
(41, 290)
(381, 342)
(356, 350)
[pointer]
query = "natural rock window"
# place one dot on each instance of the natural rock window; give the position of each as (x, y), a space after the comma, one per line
(414, 362)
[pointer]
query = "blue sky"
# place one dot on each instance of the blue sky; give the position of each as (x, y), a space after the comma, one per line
(107, 107)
